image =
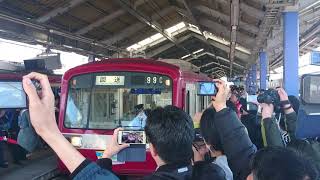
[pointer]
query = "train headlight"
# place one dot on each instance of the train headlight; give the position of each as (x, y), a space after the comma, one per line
(76, 141)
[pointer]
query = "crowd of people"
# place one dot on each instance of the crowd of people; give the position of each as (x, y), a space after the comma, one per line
(9, 129)
(12, 123)
(237, 143)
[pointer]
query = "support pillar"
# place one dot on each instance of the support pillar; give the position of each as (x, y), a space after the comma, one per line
(254, 79)
(263, 70)
(291, 52)
(251, 80)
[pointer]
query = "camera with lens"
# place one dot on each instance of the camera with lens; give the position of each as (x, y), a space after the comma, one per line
(270, 96)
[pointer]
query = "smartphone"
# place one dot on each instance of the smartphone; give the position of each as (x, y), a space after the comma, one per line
(12, 95)
(132, 137)
(207, 89)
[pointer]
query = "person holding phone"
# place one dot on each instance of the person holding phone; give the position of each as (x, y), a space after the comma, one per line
(42, 117)
(226, 137)
(170, 133)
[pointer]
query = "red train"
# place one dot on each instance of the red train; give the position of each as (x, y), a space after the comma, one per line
(98, 97)
(55, 80)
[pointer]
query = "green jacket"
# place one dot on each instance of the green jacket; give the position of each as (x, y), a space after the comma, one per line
(271, 134)
(272, 137)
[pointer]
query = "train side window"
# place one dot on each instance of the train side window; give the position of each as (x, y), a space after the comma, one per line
(202, 106)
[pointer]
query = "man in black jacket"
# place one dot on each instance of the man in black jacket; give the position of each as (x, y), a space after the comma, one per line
(170, 133)
(233, 135)
(249, 120)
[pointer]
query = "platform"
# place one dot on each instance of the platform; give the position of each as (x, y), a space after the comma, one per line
(40, 166)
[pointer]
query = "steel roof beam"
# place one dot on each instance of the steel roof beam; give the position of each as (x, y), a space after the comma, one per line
(129, 31)
(44, 31)
(145, 19)
(224, 48)
(220, 46)
(136, 27)
(223, 68)
(215, 56)
(191, 15)
(234, 22)
(59, 10)
(167, 46)
(256, 13)
(100, 22)
(148, 21)
(216, 28)
(211, 12)
(106, 19)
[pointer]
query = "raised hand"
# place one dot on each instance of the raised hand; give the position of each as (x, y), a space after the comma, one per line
(114, 147)
(283, 95)
(267, 110)
(219, 101)
(41, 105)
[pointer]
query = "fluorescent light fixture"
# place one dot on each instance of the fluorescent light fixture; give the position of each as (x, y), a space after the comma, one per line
(194, 26)
(197, 51)
(183, 57)
(176, 27)
(158, 38)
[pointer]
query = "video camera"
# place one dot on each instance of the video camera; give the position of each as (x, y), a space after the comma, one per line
(270, 96)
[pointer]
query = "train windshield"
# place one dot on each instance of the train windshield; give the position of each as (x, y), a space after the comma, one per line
(112, 99)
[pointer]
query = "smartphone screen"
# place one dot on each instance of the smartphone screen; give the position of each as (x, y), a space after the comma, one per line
(12, 95)
(252, 98)
(132, 137)
(207, 89)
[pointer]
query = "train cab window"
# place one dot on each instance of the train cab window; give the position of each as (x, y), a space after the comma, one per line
(108, 100)
(201, 103)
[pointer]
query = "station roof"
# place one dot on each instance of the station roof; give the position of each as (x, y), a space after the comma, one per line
(207, 33)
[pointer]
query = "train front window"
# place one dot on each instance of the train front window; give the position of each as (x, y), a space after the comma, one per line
(109, 100)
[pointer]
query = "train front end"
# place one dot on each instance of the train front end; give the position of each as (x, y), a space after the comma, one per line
(97, 98)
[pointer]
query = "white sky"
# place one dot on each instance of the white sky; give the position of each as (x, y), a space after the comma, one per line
(304, 67)
(17, 52)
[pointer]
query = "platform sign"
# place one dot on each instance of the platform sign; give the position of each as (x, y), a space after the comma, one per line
(315, 58)
(110, 80)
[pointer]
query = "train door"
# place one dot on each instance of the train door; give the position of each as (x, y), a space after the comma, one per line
(202, 103)
(190, 99)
